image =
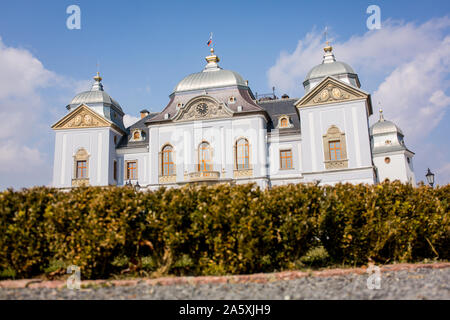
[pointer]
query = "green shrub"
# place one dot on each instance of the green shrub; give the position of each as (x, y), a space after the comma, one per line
(315, 257)
(220, 229)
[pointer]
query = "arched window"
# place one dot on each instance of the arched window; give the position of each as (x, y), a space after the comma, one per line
(168, 165)
(242, 154)
(284, 123)
(204, 157)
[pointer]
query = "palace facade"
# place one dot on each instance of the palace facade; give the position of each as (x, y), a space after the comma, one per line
(215, 130)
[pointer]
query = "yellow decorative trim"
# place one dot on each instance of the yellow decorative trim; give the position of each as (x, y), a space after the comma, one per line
(329, 91)
(203, 175)
(243, 173)
(80, 182)
(167, 179)
(84, 117)
(214, 109)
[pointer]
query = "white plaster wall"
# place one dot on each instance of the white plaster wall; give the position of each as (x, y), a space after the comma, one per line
(397, 169)
(276, 143)
(143, 166)
(352, 119)
(222, 134)
(96, 141)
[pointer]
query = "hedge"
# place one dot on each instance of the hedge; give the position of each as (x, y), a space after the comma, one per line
(221, 229)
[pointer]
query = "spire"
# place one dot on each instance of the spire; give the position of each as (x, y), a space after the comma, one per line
(97, 86)
(212, 62)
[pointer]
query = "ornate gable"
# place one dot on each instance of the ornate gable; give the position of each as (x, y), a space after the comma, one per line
(203, 108)
(331, 90)
(83, 117)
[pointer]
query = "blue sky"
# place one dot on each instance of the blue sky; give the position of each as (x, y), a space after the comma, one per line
(145, 47)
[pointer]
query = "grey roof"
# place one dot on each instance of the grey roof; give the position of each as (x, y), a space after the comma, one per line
(385, 126)
(125, 141)
(212, 76)
(210, 79)
(94, 97)
(279, 107)
(388, 149)
(329, 69)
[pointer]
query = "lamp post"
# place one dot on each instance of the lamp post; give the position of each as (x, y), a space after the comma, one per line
(430, 177)
(137, 187)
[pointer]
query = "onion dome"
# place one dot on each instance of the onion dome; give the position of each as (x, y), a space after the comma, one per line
(212, 76)
(95, 96)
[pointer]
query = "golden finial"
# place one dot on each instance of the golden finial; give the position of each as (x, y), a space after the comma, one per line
(212, 57)
(97, 77)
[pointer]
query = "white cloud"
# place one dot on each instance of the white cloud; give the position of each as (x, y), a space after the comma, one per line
(414, 93)
(21, 73)
(25, 145)
(19, 158)
(129, 120)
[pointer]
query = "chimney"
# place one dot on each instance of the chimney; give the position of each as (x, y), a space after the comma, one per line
(144, 113)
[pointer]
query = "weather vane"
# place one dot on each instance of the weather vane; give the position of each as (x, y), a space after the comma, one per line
(326, 35)
(210, 39)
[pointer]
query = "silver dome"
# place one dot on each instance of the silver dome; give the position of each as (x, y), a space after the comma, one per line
(329, 69)
(94, 97)
(384, 126)
(211, 77)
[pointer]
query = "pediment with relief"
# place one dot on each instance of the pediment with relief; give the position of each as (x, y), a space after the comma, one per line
(331, 90)
(203, 108)
(82, 117)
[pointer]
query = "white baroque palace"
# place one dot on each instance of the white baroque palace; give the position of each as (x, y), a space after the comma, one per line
(215, 130)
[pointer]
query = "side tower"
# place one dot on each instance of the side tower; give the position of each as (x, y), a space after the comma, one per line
(392, 159)
(334, 115)
(86, 138)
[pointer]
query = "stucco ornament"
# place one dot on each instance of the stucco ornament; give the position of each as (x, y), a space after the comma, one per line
(202, 107)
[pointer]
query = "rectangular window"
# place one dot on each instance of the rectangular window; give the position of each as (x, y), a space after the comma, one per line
(115, 170)
(132, 170)
(335, 150)
(286, 159)
(81, 169)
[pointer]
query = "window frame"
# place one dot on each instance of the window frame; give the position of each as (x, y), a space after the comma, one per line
(81, 170)
(333, 135)
(80, 155)
(170, 164)
(285, 162)
(127, 170)
(337, 150)
(242, 154)
(203, 164)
